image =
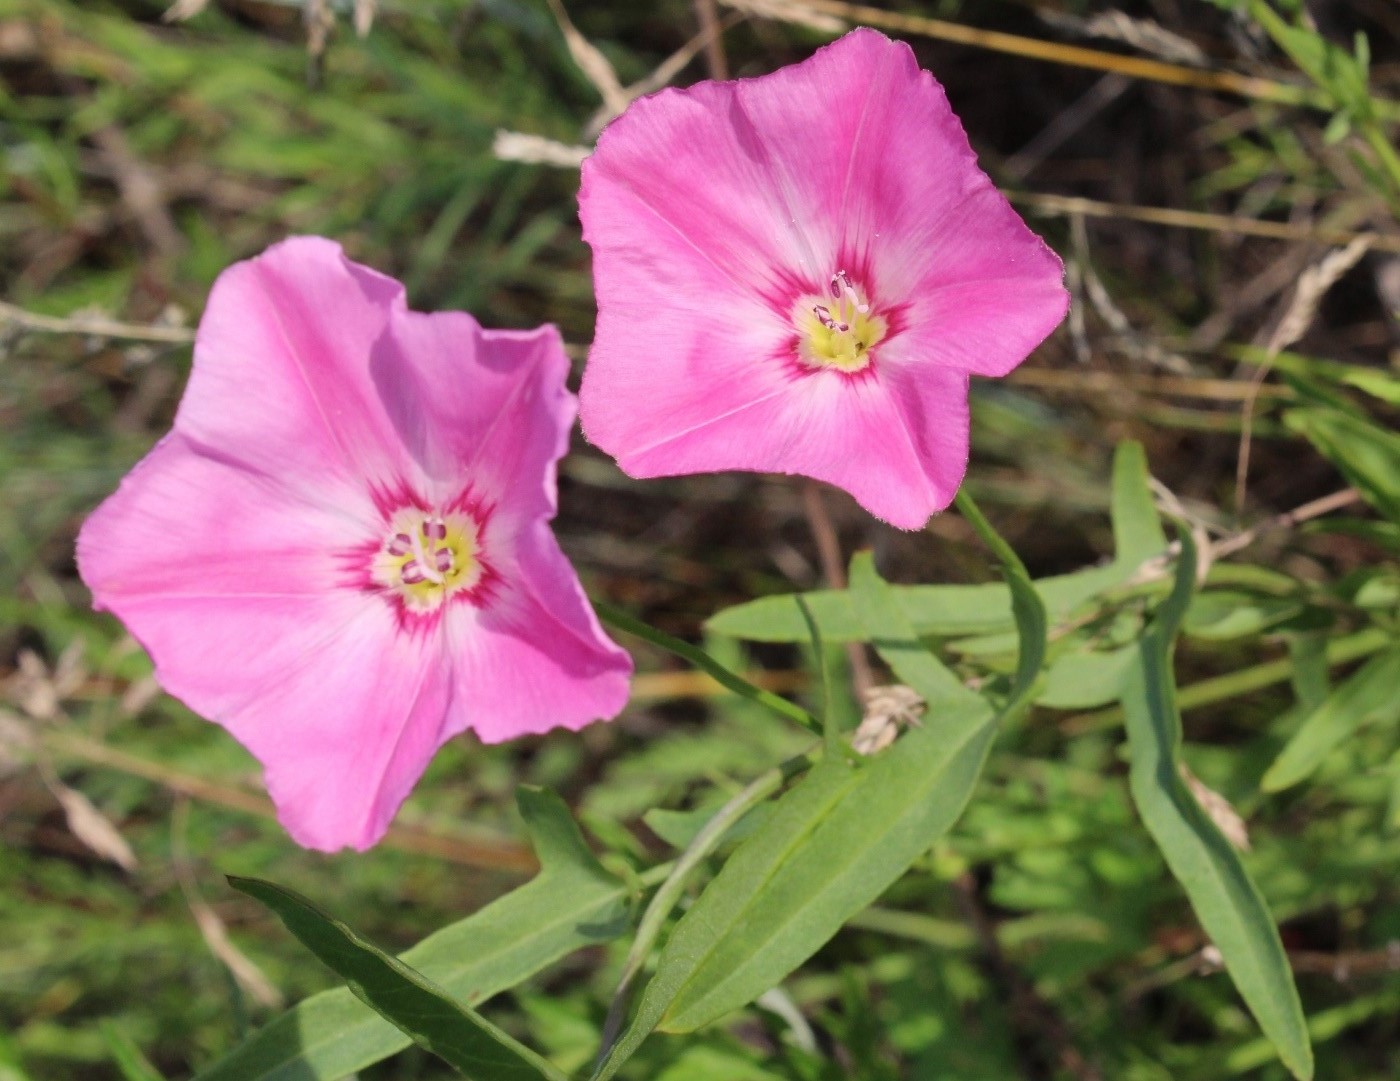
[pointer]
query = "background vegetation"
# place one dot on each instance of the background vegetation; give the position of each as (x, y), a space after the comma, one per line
(1194, 164)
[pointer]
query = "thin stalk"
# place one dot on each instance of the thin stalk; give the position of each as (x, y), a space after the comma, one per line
(1137, 67)
(830, 734)
(695, 655)
(665, 898)
(834, 571)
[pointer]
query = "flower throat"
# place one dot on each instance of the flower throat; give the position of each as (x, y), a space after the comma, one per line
(840, 330)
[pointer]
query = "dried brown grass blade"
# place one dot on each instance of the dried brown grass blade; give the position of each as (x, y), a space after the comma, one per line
(92, 827)
(594, 65)
(181, 10)
(1313, 285)
(1138, 67)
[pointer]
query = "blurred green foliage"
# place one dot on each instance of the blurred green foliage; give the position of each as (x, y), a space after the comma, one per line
(1044, 936)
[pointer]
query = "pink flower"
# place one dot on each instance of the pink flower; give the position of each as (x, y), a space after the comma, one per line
(798, 273)
(341, 553)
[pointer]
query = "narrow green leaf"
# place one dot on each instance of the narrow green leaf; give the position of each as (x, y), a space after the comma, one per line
(707, 664)
(1366, 454)
(1311, 674)
(892, 633)
(830, 732)
(134, 1066)
(830, 846)
(457, 1034)
(1223, 895)
(1369, 696)
(1085, 680)
(1137, 527)
(804, 877)
(791, 818)
(1032, 624)
(1224, 614)
(679, 828)
(957, 611)
(572, 903)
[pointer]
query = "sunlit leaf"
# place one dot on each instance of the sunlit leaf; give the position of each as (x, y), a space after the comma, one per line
(572, 903)
(455, 1033)
(1224, 897)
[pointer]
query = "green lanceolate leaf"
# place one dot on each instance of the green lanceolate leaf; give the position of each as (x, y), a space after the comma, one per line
(572, 903)
(1085, 680)
(455, 1033)
(792, 816)
(1224, 897)
(886, 623)
(1032, 624)
(831, 733)
(1370, 696)
(615, 617)
(956, 611)
(1367, 455)
(835, 842)
(133, 1065)
(1137, 527)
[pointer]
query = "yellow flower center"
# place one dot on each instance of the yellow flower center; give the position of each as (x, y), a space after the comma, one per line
(837, 331)
(426, 558)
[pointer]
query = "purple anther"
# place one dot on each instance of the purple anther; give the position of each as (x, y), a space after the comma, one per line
(434, 530)
(401, 545)
(840, 284)
(444, 559)
(823, 313)
(412, 573)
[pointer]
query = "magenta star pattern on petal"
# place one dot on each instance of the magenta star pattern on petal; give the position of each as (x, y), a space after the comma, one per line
(798, 273)
(341, 553)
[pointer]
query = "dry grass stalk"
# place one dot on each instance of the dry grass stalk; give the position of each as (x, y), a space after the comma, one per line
(1297, 317)
(665, 71)
(1066, 205)
(1142, 34)
(94, 326)
(320, 21)
(92, 827)
(1229, 82)
(789, 11)
(595, 66)
(364, 16)
(708, 19)
(181, 10)
(211, 928)
(537, 150)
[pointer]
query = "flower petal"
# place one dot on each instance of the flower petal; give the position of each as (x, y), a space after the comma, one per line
(281, 379)
(995, 292)
(185, 523)
(713, 211)
(898, 445)
(253, 619)
(342, 709)
(490, 406)
(534, 657)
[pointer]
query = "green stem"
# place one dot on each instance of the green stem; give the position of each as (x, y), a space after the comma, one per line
(665, 898)
(1221, 688)
(695, 655)
(830, 733)
(1381, 146)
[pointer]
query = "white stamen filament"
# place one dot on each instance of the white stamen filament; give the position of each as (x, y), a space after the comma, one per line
(428, 568)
